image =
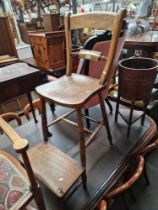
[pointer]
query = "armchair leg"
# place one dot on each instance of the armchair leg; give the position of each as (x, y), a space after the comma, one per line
(82, 147)
(124, 201)
(132, 194)
(146, 175)
(104, 115)
(39, 199)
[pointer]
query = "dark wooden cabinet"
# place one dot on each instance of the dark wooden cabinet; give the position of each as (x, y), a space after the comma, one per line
(8, 51)
(48, 49)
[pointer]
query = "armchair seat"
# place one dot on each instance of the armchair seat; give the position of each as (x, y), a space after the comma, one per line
(70, 91)
(14, 184)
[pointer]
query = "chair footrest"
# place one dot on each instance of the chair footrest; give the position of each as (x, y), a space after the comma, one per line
(54, 168)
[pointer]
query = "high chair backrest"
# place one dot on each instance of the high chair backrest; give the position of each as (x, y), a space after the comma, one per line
(99, 20)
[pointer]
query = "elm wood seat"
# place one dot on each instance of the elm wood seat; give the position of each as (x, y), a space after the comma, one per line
(51, 166)
(17, 185)
(74, 90)
(54, 169)
(83, 87)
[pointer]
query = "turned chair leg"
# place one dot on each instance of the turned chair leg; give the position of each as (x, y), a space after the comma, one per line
(104, 115)
(87, 120)
(109, 105)
(117, 108)
(39, 199)
(146, 177)
(46, 133)
(132, 194)
(52, 107)
(130, 119)
(124, 201)
(82, 147)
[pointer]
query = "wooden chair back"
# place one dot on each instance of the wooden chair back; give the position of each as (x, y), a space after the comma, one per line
(98, 20)
(96, 68)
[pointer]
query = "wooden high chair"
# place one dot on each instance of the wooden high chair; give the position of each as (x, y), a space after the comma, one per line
(74, 90)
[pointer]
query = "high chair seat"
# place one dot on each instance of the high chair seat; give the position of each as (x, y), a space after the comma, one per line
(60, 90)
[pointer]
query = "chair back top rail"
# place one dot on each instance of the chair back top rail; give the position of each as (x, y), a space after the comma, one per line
(100, 20)
(19, 143)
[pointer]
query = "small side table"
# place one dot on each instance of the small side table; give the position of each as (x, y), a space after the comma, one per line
(146, 42)
(17, 79)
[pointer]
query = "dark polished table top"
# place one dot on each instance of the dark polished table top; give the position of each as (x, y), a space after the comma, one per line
(15, 71)
(105, 163)
(17, 79)
(147, 40)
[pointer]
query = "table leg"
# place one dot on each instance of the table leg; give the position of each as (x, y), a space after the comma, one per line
(31, 106)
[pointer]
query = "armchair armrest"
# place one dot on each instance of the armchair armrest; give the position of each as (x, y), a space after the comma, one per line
(138, 171)
(19, 144)
(150, 147)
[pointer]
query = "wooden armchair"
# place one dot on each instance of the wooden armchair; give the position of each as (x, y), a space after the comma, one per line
(131, 175)
(74, 90)
(56, 170)
(17, 185)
